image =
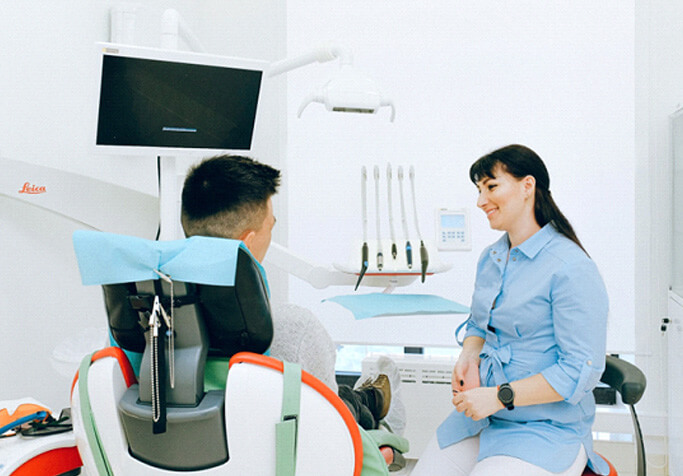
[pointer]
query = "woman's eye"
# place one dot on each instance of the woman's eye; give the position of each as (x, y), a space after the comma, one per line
(492, 186)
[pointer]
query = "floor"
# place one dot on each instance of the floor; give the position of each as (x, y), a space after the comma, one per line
(410, 464)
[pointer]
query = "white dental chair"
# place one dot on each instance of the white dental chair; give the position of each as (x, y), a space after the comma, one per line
(272, 419)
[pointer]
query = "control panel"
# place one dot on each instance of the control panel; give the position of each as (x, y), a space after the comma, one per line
(453, 229)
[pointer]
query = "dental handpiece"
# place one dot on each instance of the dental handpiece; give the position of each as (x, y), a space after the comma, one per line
(411, 174)
(404, 221)
(364, 213)
(424, 256)
(380, 256)
(394, 250)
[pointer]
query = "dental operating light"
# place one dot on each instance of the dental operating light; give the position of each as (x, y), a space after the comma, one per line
(347, 91)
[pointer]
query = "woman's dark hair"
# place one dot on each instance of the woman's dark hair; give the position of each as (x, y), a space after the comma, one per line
(520, 161)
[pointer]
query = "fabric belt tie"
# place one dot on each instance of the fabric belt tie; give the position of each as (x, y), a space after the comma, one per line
(492, 360)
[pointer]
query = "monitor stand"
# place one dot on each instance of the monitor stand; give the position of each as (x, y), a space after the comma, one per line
(169, 200)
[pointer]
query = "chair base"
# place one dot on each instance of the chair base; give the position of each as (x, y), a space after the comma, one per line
(254, 408)
(194, 438)
(54, 454)
(612, 470)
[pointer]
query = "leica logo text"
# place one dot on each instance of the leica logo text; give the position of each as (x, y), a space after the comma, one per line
(32, 189)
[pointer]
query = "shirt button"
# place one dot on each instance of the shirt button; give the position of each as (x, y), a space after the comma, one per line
(514, 259)
(589, 362)
(498, 260)
(495, 252)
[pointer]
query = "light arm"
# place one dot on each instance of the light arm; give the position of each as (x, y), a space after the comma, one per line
(317, 276)
(320, 55)
(174, 27)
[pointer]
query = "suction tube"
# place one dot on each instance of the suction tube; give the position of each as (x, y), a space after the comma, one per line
(364, 212)
(424, 255)
(404, 221)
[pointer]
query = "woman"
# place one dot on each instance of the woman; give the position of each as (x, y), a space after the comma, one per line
(534, 346)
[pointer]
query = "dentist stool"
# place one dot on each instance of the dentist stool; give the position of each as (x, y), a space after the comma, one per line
(629, 381)
(179, 303)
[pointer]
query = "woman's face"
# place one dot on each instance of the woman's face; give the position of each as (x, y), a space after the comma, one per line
(506, 200)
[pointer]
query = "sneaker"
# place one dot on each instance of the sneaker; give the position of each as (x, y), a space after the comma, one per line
(380, 389)
(395, 420)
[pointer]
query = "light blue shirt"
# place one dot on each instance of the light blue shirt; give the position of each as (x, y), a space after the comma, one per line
(550, 317)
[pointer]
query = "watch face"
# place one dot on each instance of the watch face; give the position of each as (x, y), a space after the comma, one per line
(505, 395)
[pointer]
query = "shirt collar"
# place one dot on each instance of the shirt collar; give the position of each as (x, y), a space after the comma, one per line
(531, 246)
(501, 246)
(537, 241)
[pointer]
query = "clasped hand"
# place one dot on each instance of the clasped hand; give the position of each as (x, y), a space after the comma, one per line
(469, 397)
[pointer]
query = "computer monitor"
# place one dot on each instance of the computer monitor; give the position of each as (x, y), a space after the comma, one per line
(165, 101)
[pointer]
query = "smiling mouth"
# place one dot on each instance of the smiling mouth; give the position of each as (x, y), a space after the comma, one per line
(490, 212)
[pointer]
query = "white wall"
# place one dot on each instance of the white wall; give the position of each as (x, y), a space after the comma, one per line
(467, 77)
(46, 113)
(659, 92)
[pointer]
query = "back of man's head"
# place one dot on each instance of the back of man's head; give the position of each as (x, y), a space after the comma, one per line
(225, 195)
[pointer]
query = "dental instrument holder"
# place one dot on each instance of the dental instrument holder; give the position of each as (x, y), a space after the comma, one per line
(395, 272)
(399, 270)
(195, 430)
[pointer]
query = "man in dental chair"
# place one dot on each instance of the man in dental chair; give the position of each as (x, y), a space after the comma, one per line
(231, 197)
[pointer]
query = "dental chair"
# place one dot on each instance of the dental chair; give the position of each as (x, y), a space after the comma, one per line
(181, 303)
(629, 382)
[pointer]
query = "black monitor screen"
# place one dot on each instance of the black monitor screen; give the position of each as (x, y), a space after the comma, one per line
(153, 103)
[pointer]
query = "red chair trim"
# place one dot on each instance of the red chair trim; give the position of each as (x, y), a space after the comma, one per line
(118, 354)
(612, 469)
(57, 461)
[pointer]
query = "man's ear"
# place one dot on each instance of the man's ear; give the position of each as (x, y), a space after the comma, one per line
(247, 237)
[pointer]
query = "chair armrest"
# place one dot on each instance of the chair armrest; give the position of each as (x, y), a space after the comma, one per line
(625, 378)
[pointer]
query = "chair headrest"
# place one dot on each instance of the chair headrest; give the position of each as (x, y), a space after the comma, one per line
(219, 277)
(108, 258)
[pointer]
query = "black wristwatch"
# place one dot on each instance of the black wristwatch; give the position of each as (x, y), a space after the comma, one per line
(506, 396)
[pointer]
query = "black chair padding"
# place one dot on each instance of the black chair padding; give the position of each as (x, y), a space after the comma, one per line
(237, 317)
(625, 378)
(124, 321)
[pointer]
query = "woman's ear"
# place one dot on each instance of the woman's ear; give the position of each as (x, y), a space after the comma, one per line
(529, 185)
